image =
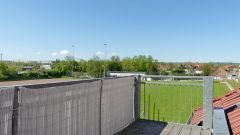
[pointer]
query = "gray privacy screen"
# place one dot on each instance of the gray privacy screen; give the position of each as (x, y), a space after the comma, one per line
(6, 108)
(84, 108)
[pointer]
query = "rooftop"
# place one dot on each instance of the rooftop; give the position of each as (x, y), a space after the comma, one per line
(229, 103)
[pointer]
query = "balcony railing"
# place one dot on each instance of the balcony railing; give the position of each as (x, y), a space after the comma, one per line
(174, 98)
(101, 106)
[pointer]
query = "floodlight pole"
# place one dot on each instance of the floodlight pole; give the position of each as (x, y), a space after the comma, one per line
(73, 60)
(1, 57)
(73, 46)
(105, 65)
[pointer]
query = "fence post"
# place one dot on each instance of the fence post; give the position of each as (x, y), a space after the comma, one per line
(15, 112)
(100, 107)
(208, 103)
(137, 97)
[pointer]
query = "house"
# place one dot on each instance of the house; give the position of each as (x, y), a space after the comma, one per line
(198, 72)
(221, 73)
(25, 69)
(230, 106)
(46, 66)
(194, 68)
(163, 67)
(232, 76)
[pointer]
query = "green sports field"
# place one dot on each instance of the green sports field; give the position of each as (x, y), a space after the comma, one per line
(234, 83)
(174, 102)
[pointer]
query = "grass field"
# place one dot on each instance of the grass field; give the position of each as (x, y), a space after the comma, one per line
(234, 83)
(174, 102)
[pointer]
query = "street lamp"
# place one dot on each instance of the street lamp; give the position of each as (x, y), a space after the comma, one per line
(73, 60)
(1, 57)
(73, 46)
(105, 66)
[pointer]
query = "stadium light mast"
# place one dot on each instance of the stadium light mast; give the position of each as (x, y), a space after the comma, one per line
(73, 46)
(1, 57)
(105, 65)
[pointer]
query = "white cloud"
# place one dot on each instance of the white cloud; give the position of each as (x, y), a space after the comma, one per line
(64, 52)
(54, 54)
(99, 53)
(114, 54)
(38, 53)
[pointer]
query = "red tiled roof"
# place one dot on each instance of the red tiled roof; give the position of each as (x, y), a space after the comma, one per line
(197, 117)
(234, 120)
(231, 103)
(228, 101)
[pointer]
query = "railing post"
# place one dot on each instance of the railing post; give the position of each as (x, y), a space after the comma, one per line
(100, 107)
(137, 96)
(208, 103)
(15, 112)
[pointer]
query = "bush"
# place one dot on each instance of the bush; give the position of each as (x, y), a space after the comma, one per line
(4, 71)
(54, 73)
(45, 75)
(31, 75)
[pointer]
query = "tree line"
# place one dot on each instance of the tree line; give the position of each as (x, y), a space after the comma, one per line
(93, 68)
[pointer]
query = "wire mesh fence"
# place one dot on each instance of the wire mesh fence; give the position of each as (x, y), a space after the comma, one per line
(170, 99)
(76, 108)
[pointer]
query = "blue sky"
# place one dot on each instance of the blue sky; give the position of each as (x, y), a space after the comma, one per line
(180, 30)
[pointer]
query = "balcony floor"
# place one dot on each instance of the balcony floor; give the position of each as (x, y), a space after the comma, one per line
(143, 127)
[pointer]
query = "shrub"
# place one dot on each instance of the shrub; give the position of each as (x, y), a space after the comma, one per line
(31, 75)
(54, 73)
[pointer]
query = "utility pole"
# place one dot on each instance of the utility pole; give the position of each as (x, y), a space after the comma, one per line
(73, 46)
(105, 65)
(1, 57)
(73, 61)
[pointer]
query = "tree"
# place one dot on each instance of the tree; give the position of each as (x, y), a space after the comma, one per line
(140, 63)
(206, 69)
(4, 71)
(12, 72)
(180, 70)
(82, 66)
(95, 67)
(62, 66)
(127, 64)
(66, 66)
(151, 65)
(114, 64)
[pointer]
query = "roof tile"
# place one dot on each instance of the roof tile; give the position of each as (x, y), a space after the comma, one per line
(228, 101)
(234, 120)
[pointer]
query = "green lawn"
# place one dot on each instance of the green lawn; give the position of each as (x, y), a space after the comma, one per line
(220, 89)
(174, 102)
(234, 84)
